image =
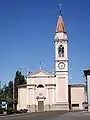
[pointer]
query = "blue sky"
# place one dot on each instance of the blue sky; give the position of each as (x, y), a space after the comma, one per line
(27, 29)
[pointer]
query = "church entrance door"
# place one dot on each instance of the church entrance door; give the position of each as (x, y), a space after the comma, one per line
(40, 106)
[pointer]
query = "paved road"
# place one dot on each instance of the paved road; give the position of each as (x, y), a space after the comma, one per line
(75, 116)
(49, 116)
(33, 116)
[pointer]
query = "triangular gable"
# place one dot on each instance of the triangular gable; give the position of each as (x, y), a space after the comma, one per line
(42, 73)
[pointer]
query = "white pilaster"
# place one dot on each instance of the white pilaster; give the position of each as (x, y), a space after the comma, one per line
(19, 98)
(27, 96)
(53, 90)
(88, 90)
(47, 95)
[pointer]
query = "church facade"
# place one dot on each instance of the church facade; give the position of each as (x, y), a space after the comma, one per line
(46, 91)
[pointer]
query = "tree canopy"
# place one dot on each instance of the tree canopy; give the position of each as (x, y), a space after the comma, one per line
(19, 80)
(6, 92)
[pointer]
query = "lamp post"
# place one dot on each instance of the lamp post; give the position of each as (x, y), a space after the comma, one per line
(13, 94)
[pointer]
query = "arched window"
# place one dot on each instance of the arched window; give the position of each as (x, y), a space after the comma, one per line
(61, 51)
(40, 86)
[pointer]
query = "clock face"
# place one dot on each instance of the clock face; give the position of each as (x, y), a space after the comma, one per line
(61, 65)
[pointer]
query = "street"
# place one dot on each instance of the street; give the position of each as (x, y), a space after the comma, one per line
(56, 115)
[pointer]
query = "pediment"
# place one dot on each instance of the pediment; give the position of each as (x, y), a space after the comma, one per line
(42, 73)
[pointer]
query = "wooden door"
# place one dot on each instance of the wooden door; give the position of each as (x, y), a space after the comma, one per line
(40, 106)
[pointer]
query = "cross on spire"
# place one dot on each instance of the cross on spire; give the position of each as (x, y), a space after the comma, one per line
(40, 65)
(60, 5)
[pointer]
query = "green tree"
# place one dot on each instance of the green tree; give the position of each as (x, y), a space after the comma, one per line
(10, 95)
(4, 93)
(10, 90)
(19, 80)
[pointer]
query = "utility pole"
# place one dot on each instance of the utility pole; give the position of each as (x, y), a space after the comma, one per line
(13, 95)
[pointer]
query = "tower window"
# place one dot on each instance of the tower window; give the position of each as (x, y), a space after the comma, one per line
(40, 86)
(61, 51)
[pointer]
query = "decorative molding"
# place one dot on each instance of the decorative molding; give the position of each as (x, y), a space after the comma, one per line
(42, 76)
(61, 71)
(25, 85)
(43, 71)
(38, 97)
(76, 85)
(50, 84)
(51, 88)
(58, 40)
(62, 60)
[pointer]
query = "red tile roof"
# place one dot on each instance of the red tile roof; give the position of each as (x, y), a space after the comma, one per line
(60, 25)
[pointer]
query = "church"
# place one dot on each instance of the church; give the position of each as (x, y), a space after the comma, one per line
(47, 91)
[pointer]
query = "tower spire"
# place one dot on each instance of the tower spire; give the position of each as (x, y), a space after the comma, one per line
(60, 24)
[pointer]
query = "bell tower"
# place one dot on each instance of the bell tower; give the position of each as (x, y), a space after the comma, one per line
(61, 64)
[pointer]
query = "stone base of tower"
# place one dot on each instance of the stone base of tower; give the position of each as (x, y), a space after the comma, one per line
(62, 106)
